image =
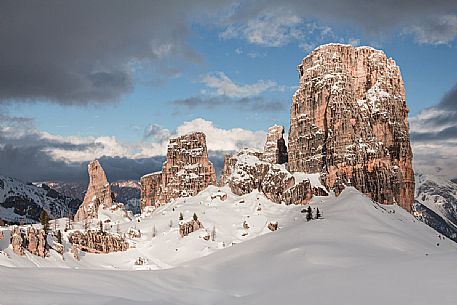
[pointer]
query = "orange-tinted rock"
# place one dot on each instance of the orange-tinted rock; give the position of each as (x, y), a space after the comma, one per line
(98, 193)
(185, 228)
(16, 241)
(245, 172)
(36, 241)
(349, 121)
(275, 150)
(97, 242)
(30, 239)
(186, 172)
(151, 188)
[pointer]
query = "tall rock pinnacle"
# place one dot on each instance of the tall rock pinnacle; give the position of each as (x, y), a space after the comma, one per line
(186, 172)
(349, 120)
(98, 193)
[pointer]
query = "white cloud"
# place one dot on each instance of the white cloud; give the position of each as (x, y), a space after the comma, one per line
(79, 149)
(437, 30)
(225, 86)
(275, 30)
(219, 139)
(434, 141)
(432, 120)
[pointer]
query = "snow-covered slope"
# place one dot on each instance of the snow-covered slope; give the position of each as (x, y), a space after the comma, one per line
(436, 201)
(359, 253)
(23, 203)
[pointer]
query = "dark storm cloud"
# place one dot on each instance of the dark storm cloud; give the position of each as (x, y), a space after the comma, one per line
(157, 133)
(248, 103)
(445, 134)
(443, 124)
(76, 52)
(32, 164)
(373, 16)
(79, 52)
(449, 100)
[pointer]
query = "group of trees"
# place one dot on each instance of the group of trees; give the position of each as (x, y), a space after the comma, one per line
(309, 213)
(194, 217)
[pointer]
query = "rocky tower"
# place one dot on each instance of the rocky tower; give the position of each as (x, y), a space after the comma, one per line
(275, 150)
(98, 193)
(349, 120)
(186, 172)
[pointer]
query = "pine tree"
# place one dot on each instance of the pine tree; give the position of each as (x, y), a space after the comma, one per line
(69, 220)
(181, 217)
(154, 231)
(59, 237)
(44, 220)
(309, 214)
(213, 234)
(195, 217)
(318, 214)
(100, 223)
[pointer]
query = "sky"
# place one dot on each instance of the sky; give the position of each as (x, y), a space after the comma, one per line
(115, 80)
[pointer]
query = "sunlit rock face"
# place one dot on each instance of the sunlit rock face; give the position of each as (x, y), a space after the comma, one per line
(245, 172)
(186, 172)
(98, 193)
(275, 149)
(349, 121)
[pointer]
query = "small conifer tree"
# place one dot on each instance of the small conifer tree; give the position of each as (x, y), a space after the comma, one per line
(181, 217)
(154, 231)
(59, 236)
(195, 217)
(213, 234)
(44, 220)
(318, 214)
(309, 214)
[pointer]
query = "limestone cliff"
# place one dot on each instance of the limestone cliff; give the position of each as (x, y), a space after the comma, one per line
(98, 193)
(349, 120)
(186, 172)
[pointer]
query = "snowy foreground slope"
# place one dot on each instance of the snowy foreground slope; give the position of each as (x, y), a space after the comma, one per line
(360, 253)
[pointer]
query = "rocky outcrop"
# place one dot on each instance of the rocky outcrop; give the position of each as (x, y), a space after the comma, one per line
(30, 239)
(275, 150)
(349, 121)
(185, 228)
(186, 172)
(273, 226)
(98, 242)
(98, 193)
(245, 172)
(16, 241)
(36, 241)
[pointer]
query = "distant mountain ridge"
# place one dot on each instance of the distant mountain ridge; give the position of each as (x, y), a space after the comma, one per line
(23, 203)
(436, 203)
